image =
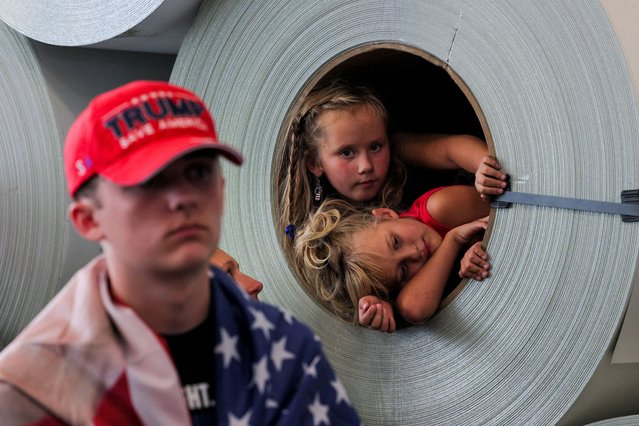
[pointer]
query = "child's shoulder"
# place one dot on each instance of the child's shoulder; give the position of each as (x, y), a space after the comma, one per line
(456, 204)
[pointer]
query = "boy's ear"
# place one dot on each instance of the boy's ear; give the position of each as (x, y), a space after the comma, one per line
(82, 216)
(314, 168)
(385, 213)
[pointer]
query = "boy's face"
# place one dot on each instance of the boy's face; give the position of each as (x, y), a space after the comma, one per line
(169, 223)
(403, 245)
(353, 152)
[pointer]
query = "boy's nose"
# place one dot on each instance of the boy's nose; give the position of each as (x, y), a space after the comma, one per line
(181, 195)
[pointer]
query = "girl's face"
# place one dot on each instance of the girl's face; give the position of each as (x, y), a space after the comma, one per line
(353, 152)
(403, 245)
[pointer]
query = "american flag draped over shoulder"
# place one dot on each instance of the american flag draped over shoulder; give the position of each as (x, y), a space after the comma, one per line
(270, 368)
(88, 360)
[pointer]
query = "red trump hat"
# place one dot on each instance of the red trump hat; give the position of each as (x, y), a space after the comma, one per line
(131, 133)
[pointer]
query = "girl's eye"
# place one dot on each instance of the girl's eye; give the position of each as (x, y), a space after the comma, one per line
(396, 243)
(403, 272)
(376, 147)
(347, 153)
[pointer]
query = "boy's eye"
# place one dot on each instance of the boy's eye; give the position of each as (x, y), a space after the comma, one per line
(198, 171)
(156, 182)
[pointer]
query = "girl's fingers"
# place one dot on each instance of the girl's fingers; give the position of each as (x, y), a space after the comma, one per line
(367, 314)
(377, 319)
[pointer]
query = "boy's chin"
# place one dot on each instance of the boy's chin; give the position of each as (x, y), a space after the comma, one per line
(189, 258)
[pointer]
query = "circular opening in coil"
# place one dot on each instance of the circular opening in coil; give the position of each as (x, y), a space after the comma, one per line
(421, 94)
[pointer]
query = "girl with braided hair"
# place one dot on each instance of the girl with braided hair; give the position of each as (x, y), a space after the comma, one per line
(338, 146)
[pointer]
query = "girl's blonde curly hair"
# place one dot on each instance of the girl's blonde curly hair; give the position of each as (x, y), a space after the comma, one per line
(335, 275)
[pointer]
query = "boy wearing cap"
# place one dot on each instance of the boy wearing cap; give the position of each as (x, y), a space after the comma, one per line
(148, 333)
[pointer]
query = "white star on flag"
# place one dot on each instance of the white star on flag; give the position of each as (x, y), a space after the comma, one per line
(228, 348)
(279, 354)
(241, 421)
(261, 323)
(288, 317)
(311, 369)
(260, 374)
(341, 392)
(319, 411)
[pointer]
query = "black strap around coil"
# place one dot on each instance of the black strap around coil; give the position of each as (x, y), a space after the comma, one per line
(628, 208)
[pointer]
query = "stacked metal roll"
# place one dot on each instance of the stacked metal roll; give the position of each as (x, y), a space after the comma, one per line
(33, 207)
(618, 421)
(560, 112)
(75, 22)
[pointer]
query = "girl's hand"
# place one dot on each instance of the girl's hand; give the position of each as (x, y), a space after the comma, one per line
(475, 264)
(376, 314)
(489, 181)
(470, 232)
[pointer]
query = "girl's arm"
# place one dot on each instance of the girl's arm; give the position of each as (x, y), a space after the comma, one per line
(456, 205)
(440, 152)
(419, 299)
(445, 152)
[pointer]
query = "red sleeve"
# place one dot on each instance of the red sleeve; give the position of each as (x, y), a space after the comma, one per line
(420, 212)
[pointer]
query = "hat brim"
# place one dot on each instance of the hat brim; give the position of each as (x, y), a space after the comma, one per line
(142, 164)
